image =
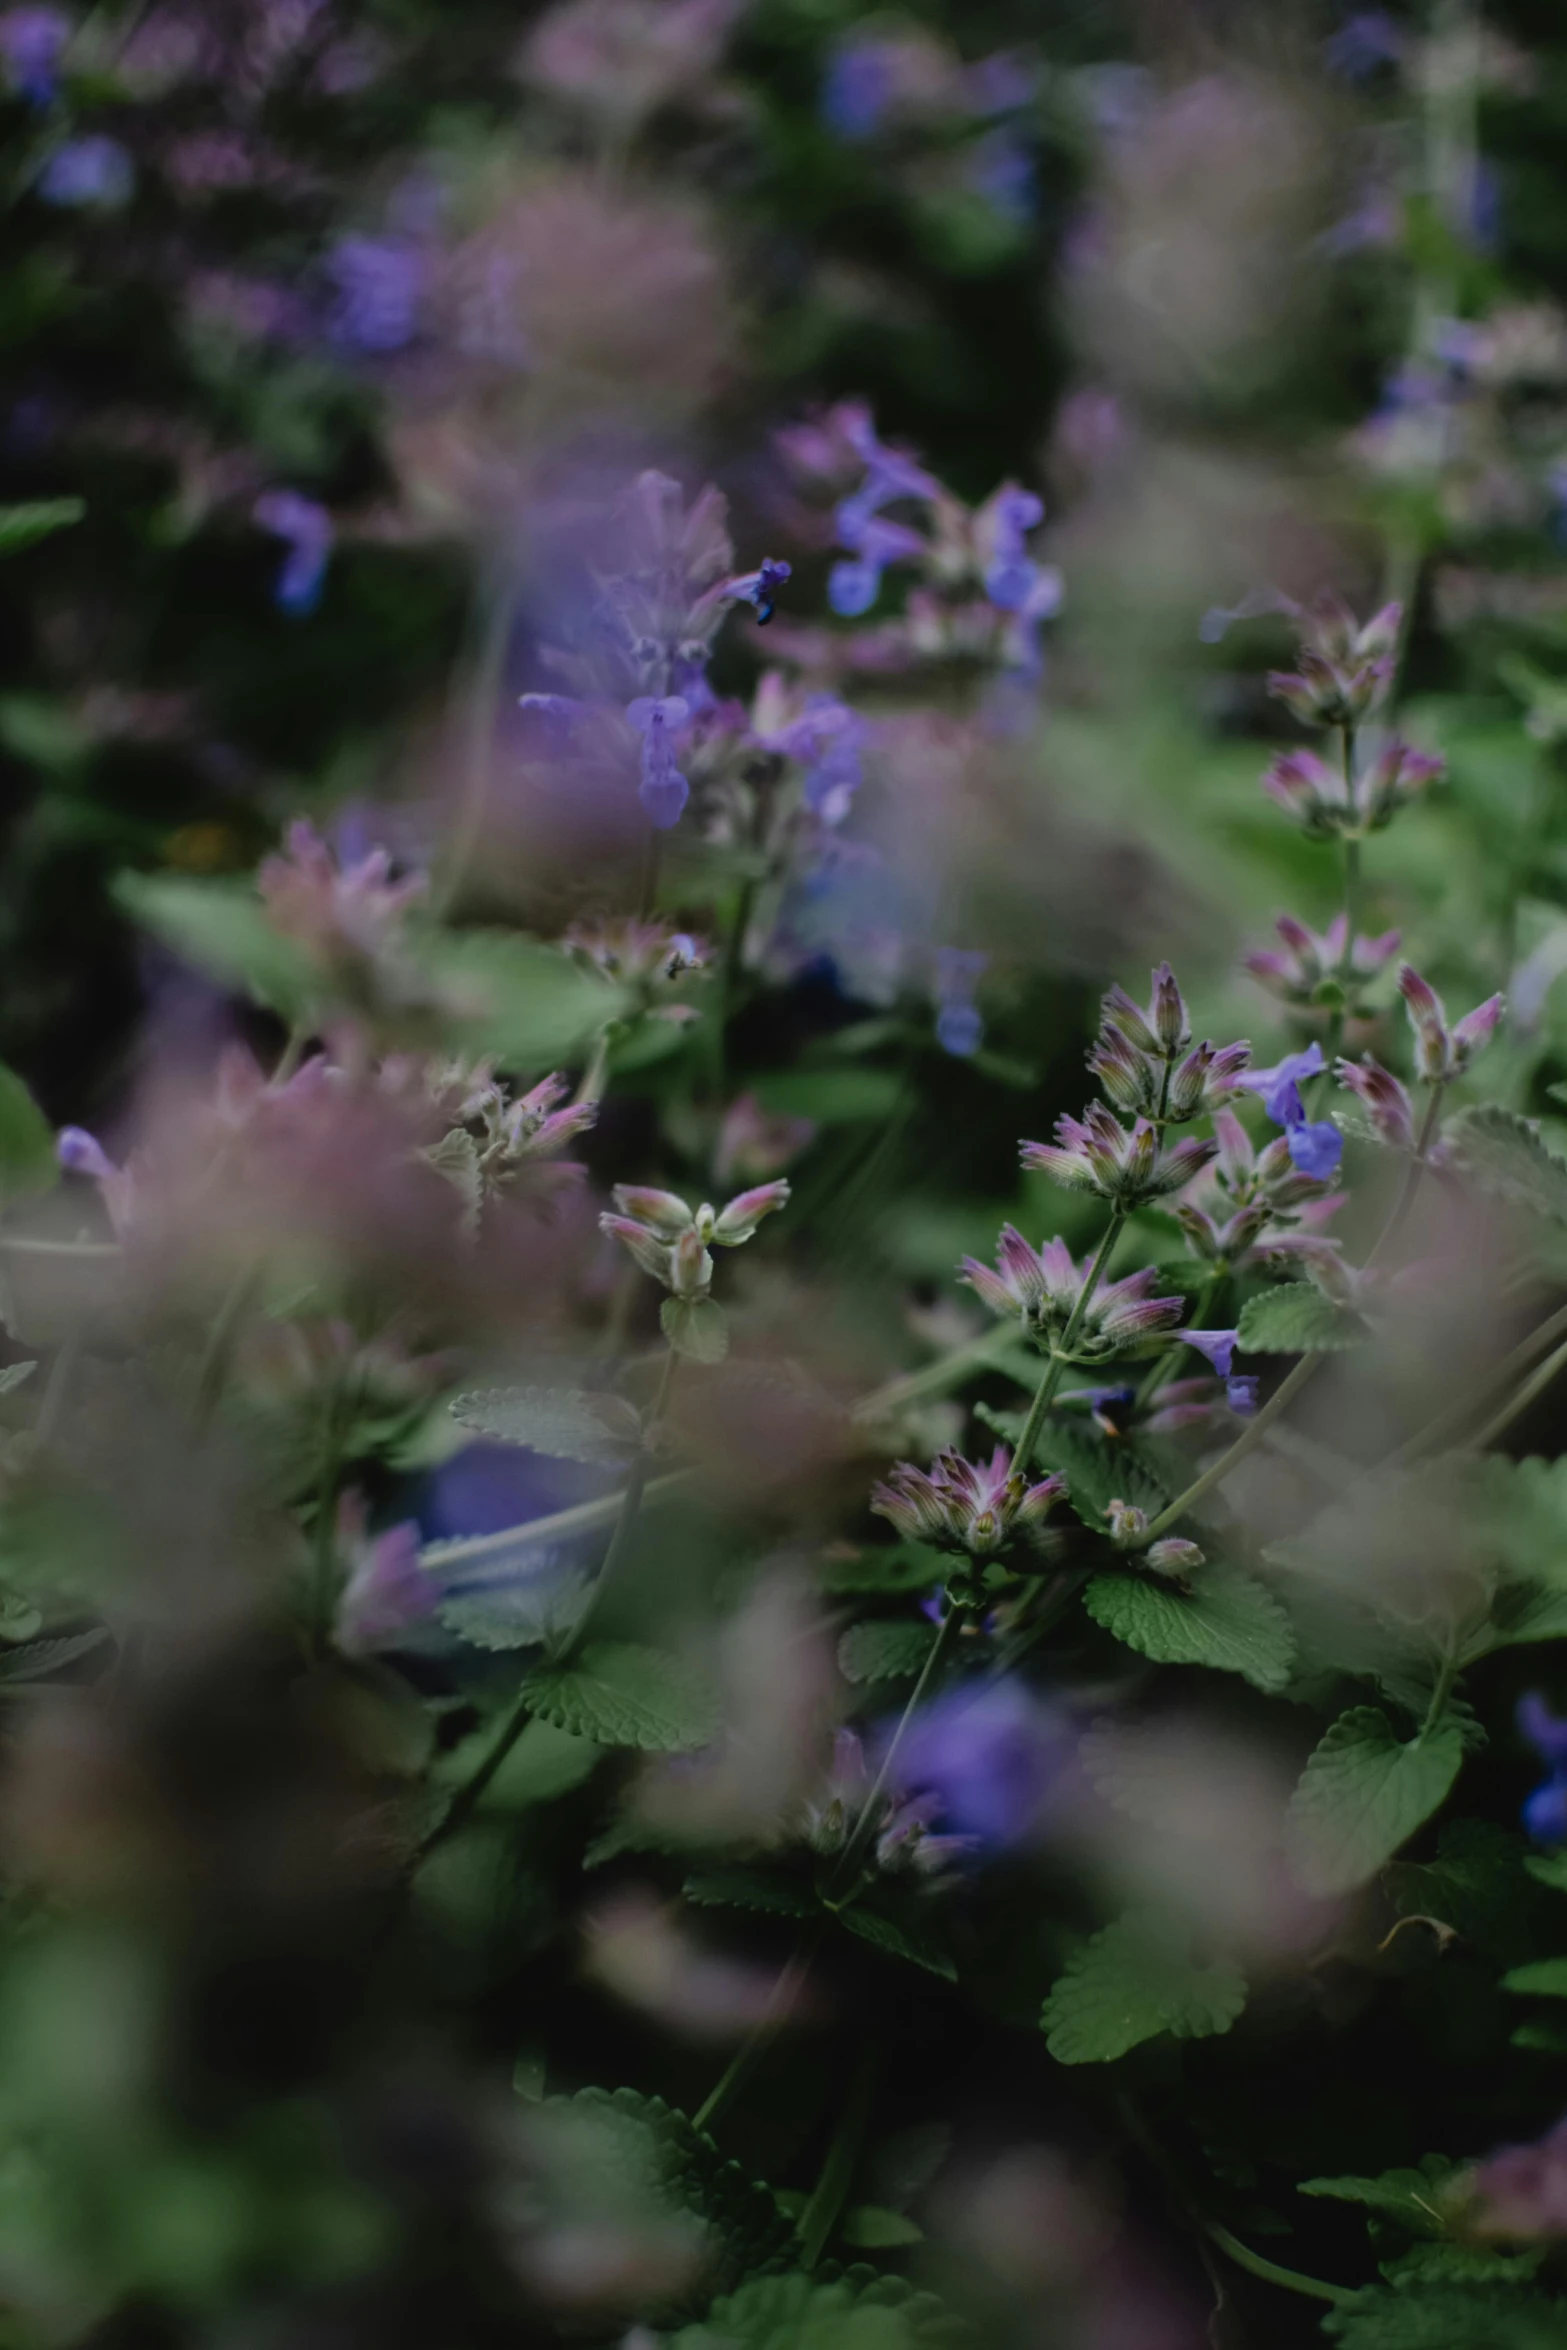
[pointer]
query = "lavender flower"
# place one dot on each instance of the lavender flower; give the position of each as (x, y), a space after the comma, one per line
(1316, 1149)
(378, 281)
(1041, 1289)
(991, 1757)
(1519, 2194)
(1443, 1053)
(387, 1592)
(760, 588)
(32, 43)
(1344, 666)
(1095, 1153)
(81, 1153)
(306, 529)
(960, 1026)
(853, 586)
(1385, 1099)
(1307, 961)
(91, 173)
(1545, 1813)
(663, 790)
(860, 86)
(961, 1505)
(1217, 1346)
(670, 1240)
(1007, 519)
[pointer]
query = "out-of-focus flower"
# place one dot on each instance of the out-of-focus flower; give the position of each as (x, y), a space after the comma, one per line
(1041, 1289)
(902, 1844)
(854, 584)
(1308, 961)
(81, 1153)
(649, 954)
(92, 173)
(964, 1505)
(625, 58)
(1096, 1153)
(387, 1592)
(1518, 2194)
(1545, 1813)
(991, 1756)
(1174, 1557)
(516, 1142)
(755, 1143)
(1006, 519)
(643, 1951)
(378, 282)
(760, 588)
(306, 528)
(960, 1026)
(32, 43)
(1442, 1053)
(663, 790)
(342, 914)
(1344, 666)
(876, 79)
(1000, 168)
(1367, 39)
(823, 734)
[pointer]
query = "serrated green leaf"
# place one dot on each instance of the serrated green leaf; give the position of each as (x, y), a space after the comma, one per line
(1135, 1980)
(1363, 1793)
(696, 1327)
(860, 2310)
(1462, 2264)
(39, 1660)
(619, 1694)
(1412, 2197)
(24, 526)
(504, 1616)
(1477, 1884)
(29, 1165)
(1545, 2034)
(1097, 1471)
(764, 1890)
(1229, 1621)
(1503, 1154)
(221, 928)
(884, 1651)
(1297, 1319)
(1546, 1977)
(903, 1930)
(1449, 2317)
(565, 1422)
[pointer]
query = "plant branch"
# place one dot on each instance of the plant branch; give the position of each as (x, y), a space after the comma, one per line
(1060, 1355)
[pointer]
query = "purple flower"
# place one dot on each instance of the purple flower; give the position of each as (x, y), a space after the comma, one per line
(1217, 1345)
(1001, 170)
(1545, 1813)
(759, 588)
(860, 86)
(1240, 1393)
(990, 1757)
(1363, 42)
(1010, 576)
(663, 790)
(1315, 1149)
(386, 1593)
(89, 172)
(306, 528)
(853, 586)
(378, 282)
(32, 42)
(960, 1026)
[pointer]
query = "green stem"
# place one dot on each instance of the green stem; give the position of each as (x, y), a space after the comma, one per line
(845, 1875)
(1060, 1355)
(820, 2215)
(593, 1076)
(500, 595)
(1244, 1443)
(1448, 1421)
(1441, 1692)
(1518, 1403)
(470, 1794)
(1414, 1175)
(784, 1993)
(1293, 2280)
(66, 1357)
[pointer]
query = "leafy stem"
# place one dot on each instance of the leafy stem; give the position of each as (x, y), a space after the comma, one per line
(820, 2215)
(845, 1875)
(784, 1993)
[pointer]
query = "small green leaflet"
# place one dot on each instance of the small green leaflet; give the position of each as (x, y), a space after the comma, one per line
(1135, 1980)
(1463, 2264)
(902, 1932)
(523, 1004)
(1549, 1868)
(764, 1890)
(696, 1327)
(1098, 1472)
(1411, 2197)
(878, 1651)
(564, 1422)
(1503, 1153)
(544, 1763)
(1229, 1621)
(28, 1164)
(1478, 1884)
(1545, 1977)
(870, 2227)
(24, 526)
(1452, 2317)
(858, 2311)
(221, 928)
(1297, 1319)
(620, 1694)
(1363, 1792)
(523, 1614)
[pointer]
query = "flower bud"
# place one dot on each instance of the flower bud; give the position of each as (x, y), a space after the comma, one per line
(1169, 1011)
(739, 1218)
(1175, 1557)
(1128, 1524)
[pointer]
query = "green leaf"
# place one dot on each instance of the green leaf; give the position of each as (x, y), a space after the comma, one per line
(695, 1327)
(1502, 1153)
(515, 1001)
(28, 1164)
(221, 928)
(1545, 2033)
(1478, 1885)
(565, 1422)
(1546, 1977)
(1229, 1621)
(504, 1616)
(884, 1651)
(656, 2149)
(1297, 1319)
(858, 2311)
(832, 1097)
(24, 526)
(545, 1762)
(1549, 1868)
(1449, 2317)
(15, 1375)
(1463, 2264)
(1364, 1792)
(870, 2227)
(764, 1890)
(38, 1660)
(893, 1568)
(1135, 1980)
(1097, 1471)
(901, 1929)
(1410, 2197)
(623, 1695)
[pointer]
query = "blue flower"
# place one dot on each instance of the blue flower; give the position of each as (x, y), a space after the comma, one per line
(760, 587)
(306, 529)
(1240, 1393)
(1001, 170)
(960, 1027)
(853, 586)
(94, 172)
(990, 1756)
(663, 790)
(1315, 1149)
(860, 86)
(378, 282)
(32, 42)
(1217, 1345)
(1545, 1813)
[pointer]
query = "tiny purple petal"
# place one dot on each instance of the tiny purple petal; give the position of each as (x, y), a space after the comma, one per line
(1217, 1345)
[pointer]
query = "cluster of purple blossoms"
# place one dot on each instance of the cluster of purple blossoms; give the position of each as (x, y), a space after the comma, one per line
(1545, 1813)
(307, 532)
(1043, 1290)
(671, 1240)
(977, 1508)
